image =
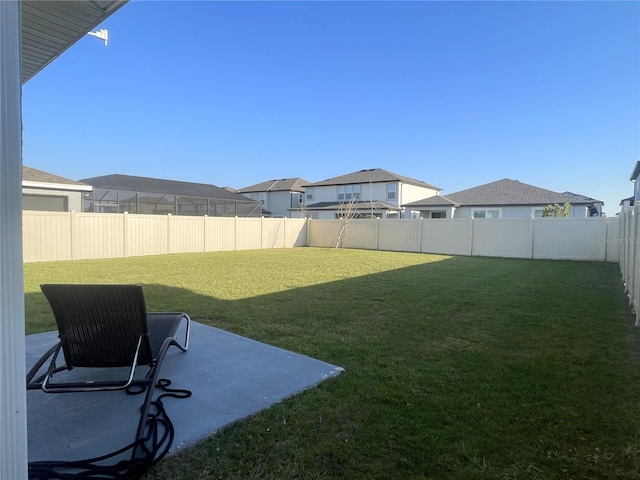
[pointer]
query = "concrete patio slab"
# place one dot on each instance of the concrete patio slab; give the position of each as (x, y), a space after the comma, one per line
(230, 377)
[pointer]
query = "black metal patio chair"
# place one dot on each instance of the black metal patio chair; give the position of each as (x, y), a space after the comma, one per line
(103, 328)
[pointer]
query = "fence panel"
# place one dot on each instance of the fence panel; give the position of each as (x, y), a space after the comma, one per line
(248, 233)
(186, 234)
(146, 234)
(323, 233)
(446, 237)
(273, 233)
(502, 237)
(361, 233)
(220, 234)
(46, 236)
(295, 232)
(634, 267)
(612, 240)
(97, 237)
(400, 235)
(569, 238)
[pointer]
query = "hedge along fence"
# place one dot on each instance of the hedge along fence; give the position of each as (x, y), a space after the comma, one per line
(52, 236)
(592, 239)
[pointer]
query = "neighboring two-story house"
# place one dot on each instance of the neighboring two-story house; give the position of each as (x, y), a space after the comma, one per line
(366, 193)
(278, 197)
(502, 199)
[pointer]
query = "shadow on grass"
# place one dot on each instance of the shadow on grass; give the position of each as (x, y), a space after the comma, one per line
(461, 368)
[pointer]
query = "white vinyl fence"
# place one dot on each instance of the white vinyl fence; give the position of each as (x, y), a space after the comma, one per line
(51, 236)
(593, 239)
(627, 241)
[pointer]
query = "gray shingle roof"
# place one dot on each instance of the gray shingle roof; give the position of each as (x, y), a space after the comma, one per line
(584, 198)
(282, 185)
(435, 201)
(373, 175)
(362, 205)
(166, 187)
(34, 175)
(510, 192)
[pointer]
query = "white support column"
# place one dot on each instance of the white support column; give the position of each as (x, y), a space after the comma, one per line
(13, 398)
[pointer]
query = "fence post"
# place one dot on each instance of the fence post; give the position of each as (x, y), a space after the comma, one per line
(532, 227)
(420, 224)
(235, 232)
(633, 260)
(635, 270)
(377, 233)
(125, 234)
(624, 265)
(284, 232)
(621, 232)
(603, 243)
(204, 233)
(168, 233)
(72, 236)
(470, 237)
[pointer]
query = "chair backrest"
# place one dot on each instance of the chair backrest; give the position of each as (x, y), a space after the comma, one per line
(100, 325)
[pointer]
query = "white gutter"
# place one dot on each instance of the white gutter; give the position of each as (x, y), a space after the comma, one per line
(57, 186)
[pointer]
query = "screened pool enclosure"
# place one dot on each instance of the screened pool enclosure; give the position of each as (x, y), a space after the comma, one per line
(141, 195)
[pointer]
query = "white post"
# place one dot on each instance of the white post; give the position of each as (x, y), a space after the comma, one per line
(204, 233)
(532, 227)
(13, 395)
(125, 234)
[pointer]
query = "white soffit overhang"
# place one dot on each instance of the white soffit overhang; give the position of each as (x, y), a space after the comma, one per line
(58, 186)
(49, 27)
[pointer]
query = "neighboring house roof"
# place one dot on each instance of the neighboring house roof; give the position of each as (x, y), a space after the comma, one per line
(373, 175)
(362, 205)
(435, 201)
(167, 187)
(32, 177)
(635, 172)
(628, 199)
(582, 198)
(282, 185)
(509, 192)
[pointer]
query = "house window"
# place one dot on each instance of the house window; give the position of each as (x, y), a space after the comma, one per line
(537, 212)
(309, 194)
(392, 191)
(348, 192)
(438, 214)
(486, 213)
(263, 199)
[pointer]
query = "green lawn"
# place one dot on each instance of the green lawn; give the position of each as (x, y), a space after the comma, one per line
(456, 367)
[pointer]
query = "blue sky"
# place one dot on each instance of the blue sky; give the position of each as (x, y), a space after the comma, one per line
(456, 94)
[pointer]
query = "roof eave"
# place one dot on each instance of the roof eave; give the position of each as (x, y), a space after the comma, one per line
(38, 22)
(57, 186)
